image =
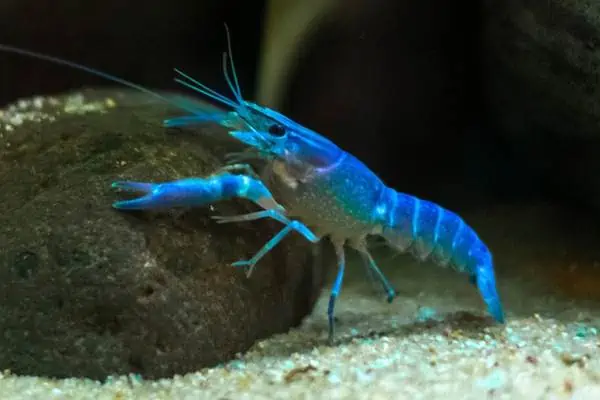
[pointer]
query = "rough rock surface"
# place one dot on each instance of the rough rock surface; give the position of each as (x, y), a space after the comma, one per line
(541, 70)
(88, 291)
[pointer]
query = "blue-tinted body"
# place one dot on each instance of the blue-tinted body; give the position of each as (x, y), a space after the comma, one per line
(316, 182)
(348, 202)
(191, 192)
(198, 192)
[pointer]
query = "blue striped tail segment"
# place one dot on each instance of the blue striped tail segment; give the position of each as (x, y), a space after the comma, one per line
(425, 226)
(429, 231)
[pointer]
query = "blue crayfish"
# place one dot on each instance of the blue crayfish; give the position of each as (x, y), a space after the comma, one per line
(308, 181)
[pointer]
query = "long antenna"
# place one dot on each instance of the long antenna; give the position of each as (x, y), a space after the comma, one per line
(235, 79)
(71, 64)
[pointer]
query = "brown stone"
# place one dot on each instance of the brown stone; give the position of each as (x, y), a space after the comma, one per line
(89, 291)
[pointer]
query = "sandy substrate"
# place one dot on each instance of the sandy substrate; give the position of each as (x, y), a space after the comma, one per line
(433, 342)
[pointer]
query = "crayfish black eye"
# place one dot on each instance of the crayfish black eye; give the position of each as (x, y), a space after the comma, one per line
(277, 130)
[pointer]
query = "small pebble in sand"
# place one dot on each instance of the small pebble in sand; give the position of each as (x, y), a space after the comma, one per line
(426, 314)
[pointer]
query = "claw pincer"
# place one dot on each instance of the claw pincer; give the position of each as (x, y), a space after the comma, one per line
(197, 192)
(189, 192)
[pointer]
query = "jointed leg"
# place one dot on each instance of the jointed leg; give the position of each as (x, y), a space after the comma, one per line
(335, 290)
(371, 275)
(274, 214)
(290, 226)
(373, 268)
(293, 225)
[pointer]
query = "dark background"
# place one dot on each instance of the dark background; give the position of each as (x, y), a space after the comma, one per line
(398, 84)
(140, 44)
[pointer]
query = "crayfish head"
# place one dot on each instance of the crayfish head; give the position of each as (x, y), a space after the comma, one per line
(275, 134)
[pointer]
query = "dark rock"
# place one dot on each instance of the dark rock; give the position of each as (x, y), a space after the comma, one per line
(541, 69)
(88, 291)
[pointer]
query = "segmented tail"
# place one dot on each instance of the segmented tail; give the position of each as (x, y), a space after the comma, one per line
(429, 231)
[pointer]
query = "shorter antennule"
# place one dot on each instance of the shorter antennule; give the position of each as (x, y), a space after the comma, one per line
(237, 90)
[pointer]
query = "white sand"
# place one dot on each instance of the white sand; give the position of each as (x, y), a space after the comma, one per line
(532, 358)
(549, 348)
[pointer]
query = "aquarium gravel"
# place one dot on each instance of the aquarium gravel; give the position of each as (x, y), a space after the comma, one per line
(451, 354)
(47, 109)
